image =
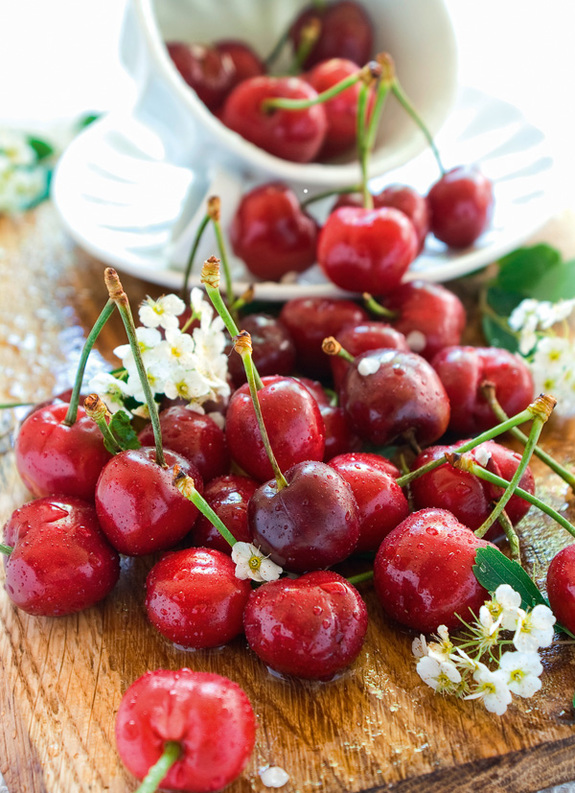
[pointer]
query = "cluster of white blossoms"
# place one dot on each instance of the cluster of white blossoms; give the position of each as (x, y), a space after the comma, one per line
(549, 355)
(22, 180)
(459, 670)
(190, 365)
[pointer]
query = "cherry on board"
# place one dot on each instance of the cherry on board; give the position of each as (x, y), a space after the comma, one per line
(229, 497)
(371, 335)
(561, 586)
(273, 350)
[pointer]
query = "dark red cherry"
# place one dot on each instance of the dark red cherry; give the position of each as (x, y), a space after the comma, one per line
(388, 394)
(53, 457)
(561, 586)
(310, 320)
(381, 501)
(138, 507)
(272, 234)
(61, 562)
(209, 716)
(228, 496)
(430, 316)
(194, 598)
(373, 335)
(367, 250)
(311, 523)
(247, 63)
(423, 571)
(293, 422)
(339, 436)
(195, 436)
(295, 135)
(273, 350)
(346, 31)
(310, 627)
(464, 369)
(461, 205)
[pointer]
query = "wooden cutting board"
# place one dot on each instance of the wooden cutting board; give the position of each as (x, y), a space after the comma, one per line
(375, 728)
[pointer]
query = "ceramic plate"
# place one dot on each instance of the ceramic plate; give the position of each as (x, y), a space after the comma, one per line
(127, 205)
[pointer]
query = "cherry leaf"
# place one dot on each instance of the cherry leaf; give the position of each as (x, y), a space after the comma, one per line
(122, 430)
(493, 568)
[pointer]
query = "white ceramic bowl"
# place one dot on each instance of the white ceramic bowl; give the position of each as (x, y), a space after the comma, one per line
(417, 33)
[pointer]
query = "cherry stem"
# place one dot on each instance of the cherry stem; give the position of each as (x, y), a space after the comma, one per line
(366, 74)
(376, 308)
(5, 549)
(214, 211)
(276, 51)
(190, 263)
(96, 410)
(357, 579)
(243, 345)
(400, 95)
(356, 188)
(120, 298)
(488, 390)
(11, 405)
(187, 488)
(512, 537)
(520, 418)
(466, 463)
(211, 282)
(308, 36)
(171, 754)
(105, 315)
(243, 300)
(331, 346)
(380, 97)
(362, 147)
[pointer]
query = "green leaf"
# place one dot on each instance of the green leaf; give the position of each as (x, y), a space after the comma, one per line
(497, 336)
(42, 148)
(493, 568)
(521, 270)
(87, 119)
(558, 283)
(122, 430)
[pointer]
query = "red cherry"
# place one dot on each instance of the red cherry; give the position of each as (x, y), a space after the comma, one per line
(373, 335)
(310, 627)
(195, 436)
(346, 31)
(561, 586)
(53, 457)
(311, 523)
(430, 316)
(461, 204)
(272, 234)
(423, 571)
(247, 63)
(61, 562)
(339, 436)
(228, 496)
(367, 250)
(463, 370)
(310, 320)
(138, 507)
(293, 422)
(316, 389)
(387, 394)
(194, 598)
(295, 135)
(209, 716)
(273, 350)
(381, 501)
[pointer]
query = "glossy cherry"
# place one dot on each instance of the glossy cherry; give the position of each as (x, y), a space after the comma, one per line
(311, 627)
(355, 339)
(209, 716)
(194, 598)
(367, 250)
(423, 571)
(295, 135)
(54, 457)
(138, 507)
(273, 350)
(381, 501)
(561, 586)
(339, 436)
(310, 320)
(464, 369)
(461, 205)
(389, 394)
(293, 422)
(228, 496)
(346, 31)
(272, 234)
(195, 436)
(61, 562)
(311, 523)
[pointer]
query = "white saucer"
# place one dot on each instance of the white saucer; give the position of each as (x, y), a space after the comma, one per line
(125, 203)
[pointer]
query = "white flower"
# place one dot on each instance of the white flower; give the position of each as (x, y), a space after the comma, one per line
(419, 646)
(15, 147)
(178, 346)
(199, 305)
(464, 661)
(273, 776)
(491, 688)
(147, 338)
(441, 676)
(553, 370)
(19, 186)
(111, 390)
(534, 629)
(441, 650)
(163, 312)
(524, 319)
(251, 563)
(522, 670)
(503, 611)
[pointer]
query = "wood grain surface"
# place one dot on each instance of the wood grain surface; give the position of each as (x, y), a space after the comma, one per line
(376, 728)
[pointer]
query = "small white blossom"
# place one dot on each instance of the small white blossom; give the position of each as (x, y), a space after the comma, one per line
(464, 661)
(251, 563)
(441, 676)
(163, 312)
(15, 148)
(111, 390)
(273, 776)
(534, 629)
(492, 689)
(523, 671)
(503, 611)
(419, 646)
(147, 338)
(19, 186)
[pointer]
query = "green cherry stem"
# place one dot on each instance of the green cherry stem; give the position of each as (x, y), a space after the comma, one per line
(5, 549)
(214, 211)
(520, 418)
(96, 409)
(387, 77)
(356, 188)
(357, 579)
(190, 263)
(545, 408)
(105, 315)
(362, 145)
(120, 298)
(309, 34)
(331, 346)
(403, 100)
(511, 535)
(11, 405)
(243, 345)
(171, 754)
(185, 485)
(466, 463)
(488, 390)
(376, 308)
